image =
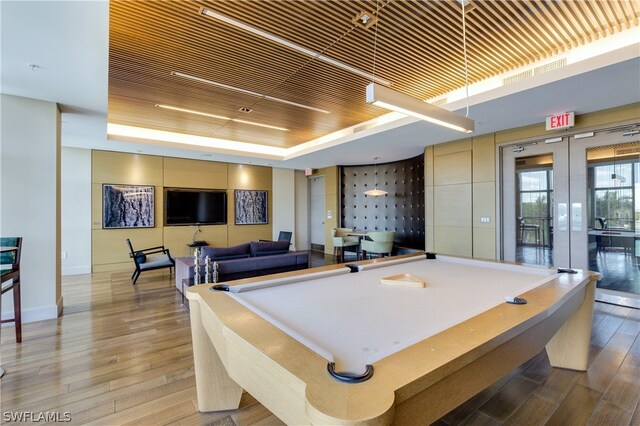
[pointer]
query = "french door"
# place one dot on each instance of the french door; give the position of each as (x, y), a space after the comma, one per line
(574, 201)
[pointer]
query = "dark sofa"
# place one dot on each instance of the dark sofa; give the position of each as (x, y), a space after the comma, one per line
(244, 260)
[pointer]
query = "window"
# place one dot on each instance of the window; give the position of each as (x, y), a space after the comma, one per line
(614, 194)
(535, 195)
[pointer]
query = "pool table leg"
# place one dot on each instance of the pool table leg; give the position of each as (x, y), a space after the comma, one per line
(569, 347)
(215, 389)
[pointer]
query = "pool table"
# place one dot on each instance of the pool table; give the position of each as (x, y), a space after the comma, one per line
(365, 344)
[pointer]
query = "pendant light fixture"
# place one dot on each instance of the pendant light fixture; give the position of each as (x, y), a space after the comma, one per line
(393, 100)
(375, 192)
(616, 177)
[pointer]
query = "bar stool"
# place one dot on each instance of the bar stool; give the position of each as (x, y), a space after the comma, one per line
(529, 227)
(10, 250)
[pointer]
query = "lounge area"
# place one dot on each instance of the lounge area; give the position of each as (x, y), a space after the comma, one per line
(256, 258)
(320, 212)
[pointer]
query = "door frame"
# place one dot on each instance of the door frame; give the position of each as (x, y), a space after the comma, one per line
(310, 180)
(506, 229)
(578, 184)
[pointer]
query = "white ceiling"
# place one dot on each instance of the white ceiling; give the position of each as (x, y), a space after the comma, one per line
(68, 42)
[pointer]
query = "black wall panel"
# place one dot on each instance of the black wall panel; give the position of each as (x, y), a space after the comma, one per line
(401, 210)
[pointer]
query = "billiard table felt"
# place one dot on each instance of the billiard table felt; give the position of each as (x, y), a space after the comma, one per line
(353, 320)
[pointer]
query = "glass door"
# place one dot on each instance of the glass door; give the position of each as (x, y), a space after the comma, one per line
(605, 184)
(534, 200)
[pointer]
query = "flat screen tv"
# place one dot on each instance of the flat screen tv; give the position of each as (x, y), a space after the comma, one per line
(195, 206)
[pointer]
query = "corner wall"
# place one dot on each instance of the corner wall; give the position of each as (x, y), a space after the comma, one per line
(30, 206)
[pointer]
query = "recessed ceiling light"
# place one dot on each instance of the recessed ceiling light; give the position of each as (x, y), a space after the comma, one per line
(220, 117)
(247, 92)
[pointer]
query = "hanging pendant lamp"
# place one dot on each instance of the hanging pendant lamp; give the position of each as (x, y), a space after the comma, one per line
(375, 192)
(393, 100)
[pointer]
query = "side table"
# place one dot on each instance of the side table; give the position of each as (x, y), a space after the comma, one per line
(196, 244)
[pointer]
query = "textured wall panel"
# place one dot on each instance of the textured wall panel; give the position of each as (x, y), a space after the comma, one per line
(401, 210)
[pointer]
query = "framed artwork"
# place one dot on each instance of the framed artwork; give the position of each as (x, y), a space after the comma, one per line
(250, 207)
(127, 206)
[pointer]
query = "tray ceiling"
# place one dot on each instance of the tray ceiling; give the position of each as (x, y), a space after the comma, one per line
(418, 48)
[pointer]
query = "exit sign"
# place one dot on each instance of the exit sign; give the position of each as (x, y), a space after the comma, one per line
(561, 121)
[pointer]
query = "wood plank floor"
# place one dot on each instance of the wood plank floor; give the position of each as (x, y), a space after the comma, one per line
(122, 355)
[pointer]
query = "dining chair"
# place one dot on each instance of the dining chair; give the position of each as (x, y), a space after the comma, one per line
(10, 272)
(379, 243)
(342, 242)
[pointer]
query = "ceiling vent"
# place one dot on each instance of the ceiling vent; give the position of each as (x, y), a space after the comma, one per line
(627, 151)
(541, 69)
(364, 127)
(246, 110)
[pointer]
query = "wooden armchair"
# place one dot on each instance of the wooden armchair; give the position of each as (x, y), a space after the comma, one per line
(140, 258)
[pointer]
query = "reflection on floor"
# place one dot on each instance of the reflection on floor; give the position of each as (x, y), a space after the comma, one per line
(620, 271)
(318, 258)
(534, 255)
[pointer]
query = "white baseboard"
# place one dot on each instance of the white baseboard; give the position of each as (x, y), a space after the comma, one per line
(77, 270)
(40, 313)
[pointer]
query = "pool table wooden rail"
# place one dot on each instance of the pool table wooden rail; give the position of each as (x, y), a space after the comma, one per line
(235, 349)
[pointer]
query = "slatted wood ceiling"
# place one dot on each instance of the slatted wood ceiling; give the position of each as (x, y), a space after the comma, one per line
(419, 49)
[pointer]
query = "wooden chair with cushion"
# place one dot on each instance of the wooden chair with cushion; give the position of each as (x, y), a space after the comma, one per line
(379, 243)
(143, 262)
(342, 242)
(10, 272)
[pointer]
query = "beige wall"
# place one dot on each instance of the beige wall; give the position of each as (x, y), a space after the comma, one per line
(30, 203)
(460, 179)
(109, 251)
(450, 195)
(76, 210)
